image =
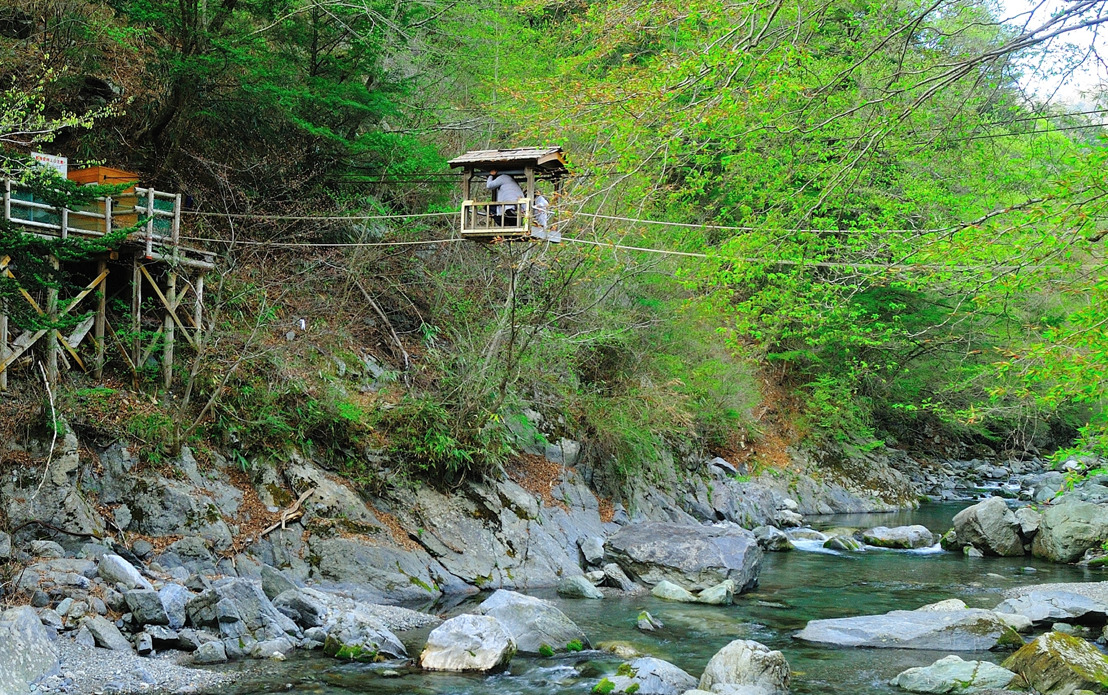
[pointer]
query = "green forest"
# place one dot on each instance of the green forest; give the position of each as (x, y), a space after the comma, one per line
(839, 225)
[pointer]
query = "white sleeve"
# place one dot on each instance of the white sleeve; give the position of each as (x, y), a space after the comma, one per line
(491, 184)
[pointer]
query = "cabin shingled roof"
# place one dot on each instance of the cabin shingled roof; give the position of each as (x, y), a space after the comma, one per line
(518, 154)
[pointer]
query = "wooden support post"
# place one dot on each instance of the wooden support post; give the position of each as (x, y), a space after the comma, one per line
(149, 222)
(136, 312)
(170, 326)
(8, 200)
(101, 318)
(51, 344)
(3, 346)
(198, 310)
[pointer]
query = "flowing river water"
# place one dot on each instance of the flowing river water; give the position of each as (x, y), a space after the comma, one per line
(795, 587)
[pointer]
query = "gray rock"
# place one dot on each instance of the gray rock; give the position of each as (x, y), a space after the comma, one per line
(175, 598)
(26, 652)
(47, 549)
(722, 594)
(1052, 606)
(84, 637)
(302, 607)
(115, 570)
(275, 649)
(532, 622)
(358, 634)
(468, 643)
(991, 527)
(968, 630)
(144, 644)
(106, 634)
(5, 546)
(953, 675)
(146, 607)
(1029, 520)
(746, 663)
(40, 599)
(648, 623)
(592, 549)
(142, 548)
(950, 604)
(51, 619)
(1068, 529)
(695, 556)
(772, 539)
(274, 582)
(615, 577)
(578, 587)
(210, 653)
(653, 677)
(668, 591)
(904, 537)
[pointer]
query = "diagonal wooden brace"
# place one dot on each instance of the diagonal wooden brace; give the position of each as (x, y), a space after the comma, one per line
(168, 306)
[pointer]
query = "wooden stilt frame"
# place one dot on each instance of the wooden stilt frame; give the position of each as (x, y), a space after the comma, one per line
(10, 353)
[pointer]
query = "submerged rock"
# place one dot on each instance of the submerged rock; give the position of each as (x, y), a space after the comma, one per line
(902, 537)
(953, 675)
(695, 556)
(578, 587)
(468, 643)
(532, 622)
(960, 631)
(746, 663)
(648, 623)
(991, 527)
(1057, 663)
(846, 543)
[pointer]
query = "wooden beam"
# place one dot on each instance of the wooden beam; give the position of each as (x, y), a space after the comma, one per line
(3, 346)
(170, 333)
(136, 311)
(52, 316)
(101, 318)
(167, 304)
(198, 309)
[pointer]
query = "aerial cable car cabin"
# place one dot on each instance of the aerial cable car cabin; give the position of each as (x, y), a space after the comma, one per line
(507, 209)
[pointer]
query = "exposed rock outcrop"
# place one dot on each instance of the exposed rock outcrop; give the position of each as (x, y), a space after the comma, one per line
(693, 556)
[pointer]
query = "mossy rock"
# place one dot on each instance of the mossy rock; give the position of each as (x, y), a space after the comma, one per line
(350, 652)
(1060, 663)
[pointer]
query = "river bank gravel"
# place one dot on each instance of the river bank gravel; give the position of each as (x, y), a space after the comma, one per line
(91, 670)
(1097, 591)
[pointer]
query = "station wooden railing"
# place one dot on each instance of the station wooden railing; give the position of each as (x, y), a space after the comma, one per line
(154, 215)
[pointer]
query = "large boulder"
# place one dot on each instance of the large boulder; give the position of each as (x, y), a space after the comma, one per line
(357, 634)
(1054, 606)
(696, 557)
(146, 607)
(953, 675)
(239, 608)
(902, 537)
(650, 676)
(532, 622)
(991, 527)
(1068, 529)
(468, 643)
(1058, 663)
(959, 631)
(746, 663)
(26, 652)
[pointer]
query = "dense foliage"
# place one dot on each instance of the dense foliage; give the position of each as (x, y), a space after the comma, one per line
(886, 236)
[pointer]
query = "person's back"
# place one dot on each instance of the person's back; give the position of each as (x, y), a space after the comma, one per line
(507, 190)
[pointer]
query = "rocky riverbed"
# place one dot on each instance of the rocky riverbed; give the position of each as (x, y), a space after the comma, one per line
(221, 564)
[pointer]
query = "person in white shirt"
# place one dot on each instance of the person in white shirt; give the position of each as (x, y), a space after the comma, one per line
(506, 190)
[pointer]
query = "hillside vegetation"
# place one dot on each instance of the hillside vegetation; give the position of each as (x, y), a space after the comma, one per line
(882, 237)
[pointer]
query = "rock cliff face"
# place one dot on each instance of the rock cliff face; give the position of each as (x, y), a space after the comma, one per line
(407, 546)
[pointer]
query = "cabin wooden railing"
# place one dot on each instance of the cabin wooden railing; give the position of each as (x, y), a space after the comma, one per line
(481, 219)
(158, 212)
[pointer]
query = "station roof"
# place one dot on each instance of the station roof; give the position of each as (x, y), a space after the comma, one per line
(548, 158)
